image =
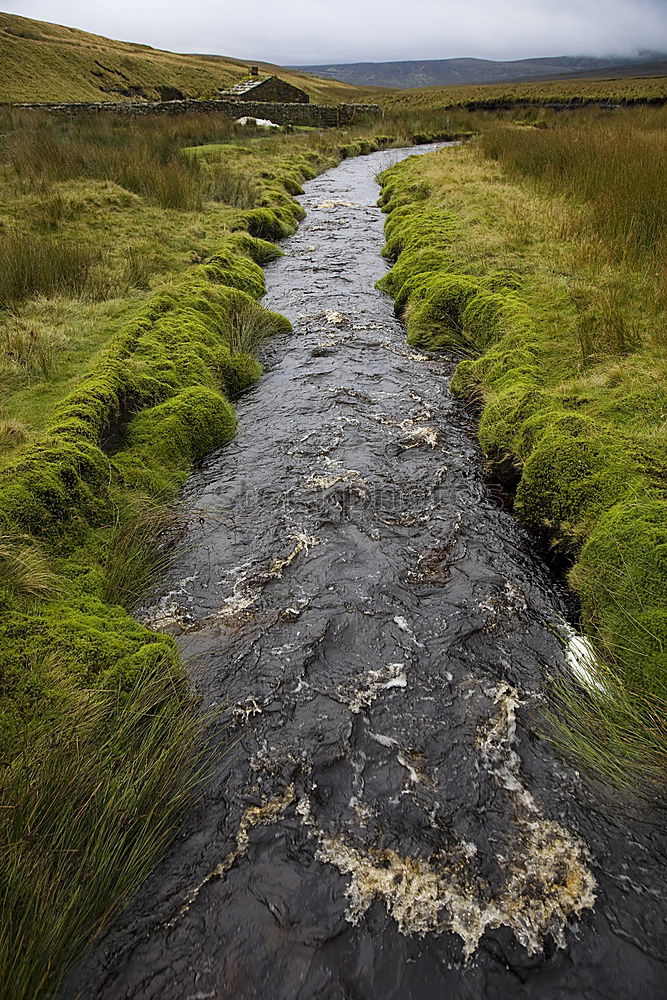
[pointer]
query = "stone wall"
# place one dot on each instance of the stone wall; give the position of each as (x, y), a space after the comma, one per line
(314, 115)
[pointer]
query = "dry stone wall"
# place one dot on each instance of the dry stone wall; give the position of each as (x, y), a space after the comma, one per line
(314, 115)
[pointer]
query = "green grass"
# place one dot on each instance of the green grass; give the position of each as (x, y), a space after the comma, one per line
(564, 354)
(43, 265)
(87, 809)
(587, 159)
(139, 550)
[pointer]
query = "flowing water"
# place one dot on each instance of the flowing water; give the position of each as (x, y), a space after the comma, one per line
(387, 822)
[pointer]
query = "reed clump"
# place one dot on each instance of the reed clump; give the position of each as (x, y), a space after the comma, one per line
(139, 550)
(34, 264)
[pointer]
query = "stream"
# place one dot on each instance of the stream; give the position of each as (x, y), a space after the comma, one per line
(387, 822)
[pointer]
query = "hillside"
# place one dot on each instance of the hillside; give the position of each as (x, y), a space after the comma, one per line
(447, 72)
(50, 62)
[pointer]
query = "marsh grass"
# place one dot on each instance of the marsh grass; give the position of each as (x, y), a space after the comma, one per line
(86, 808)
(613, 165)
(29, 351)
(112, 278)
(34, 264)
(145, 158)
(24, 569)
(232, 186)
(12, 432)
(249, 327)
(140, 549)
(617, 732)
(52, 211)
(603, 322)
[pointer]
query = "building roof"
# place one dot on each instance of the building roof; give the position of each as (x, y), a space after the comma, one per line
(247, 86)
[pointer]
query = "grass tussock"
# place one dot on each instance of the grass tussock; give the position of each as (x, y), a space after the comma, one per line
(28, 351)
(12, 432)
(232, 186)
(139, 551)
(86, 808)
(615, 733)
(24, 568)
(41, 265)
(249, 327)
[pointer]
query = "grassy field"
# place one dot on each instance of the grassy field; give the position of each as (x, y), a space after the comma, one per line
(539, 255)
(129, 323)
(497, 95)
(50, 62)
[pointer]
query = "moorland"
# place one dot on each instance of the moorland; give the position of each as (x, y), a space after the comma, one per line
(131, 320)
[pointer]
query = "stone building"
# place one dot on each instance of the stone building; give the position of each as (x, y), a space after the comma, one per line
(268, 88)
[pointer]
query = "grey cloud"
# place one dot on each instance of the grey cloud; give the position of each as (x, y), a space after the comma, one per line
(301, 32)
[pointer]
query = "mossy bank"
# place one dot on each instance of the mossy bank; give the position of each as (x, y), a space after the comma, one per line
(481, 270)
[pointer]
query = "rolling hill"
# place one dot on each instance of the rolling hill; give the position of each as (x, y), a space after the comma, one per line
(448, 72)
(51, 62)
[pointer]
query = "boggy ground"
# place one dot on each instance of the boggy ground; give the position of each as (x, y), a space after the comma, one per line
(378, 633)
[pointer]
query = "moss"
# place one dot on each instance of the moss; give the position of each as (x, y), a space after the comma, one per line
(265, 223)
(572, 474)
(75, 641)
(56, 483)
(229, 269)
(436, 308)
(620, 577)
(164, 441)
(413, 263)
(261, 251)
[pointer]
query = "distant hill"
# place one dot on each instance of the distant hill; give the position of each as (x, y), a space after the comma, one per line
(447, 72)
(49, 62)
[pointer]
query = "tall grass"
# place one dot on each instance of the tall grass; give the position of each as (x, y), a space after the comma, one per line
(24, 569)
(613, 164)
(28, 351)
(232, 186)
(139, 551)
(86, 809)
(144, 157)
(248, 327)
(41, 265)
(615, 732)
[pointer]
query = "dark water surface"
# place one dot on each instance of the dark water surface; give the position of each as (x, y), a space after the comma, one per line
(388, 824)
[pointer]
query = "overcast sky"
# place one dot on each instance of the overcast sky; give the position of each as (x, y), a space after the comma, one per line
(301, 32)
